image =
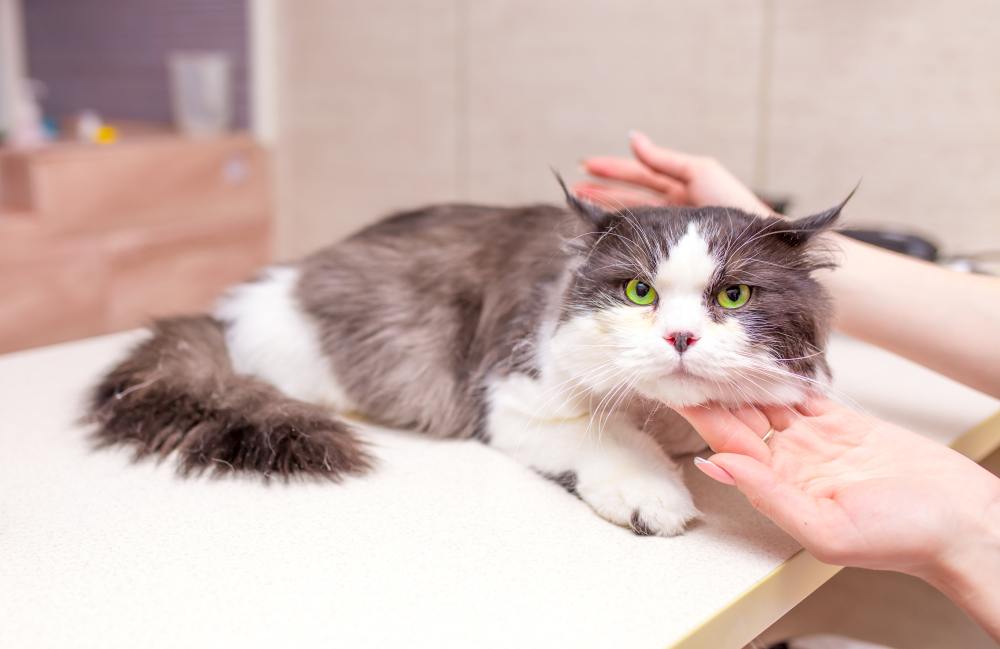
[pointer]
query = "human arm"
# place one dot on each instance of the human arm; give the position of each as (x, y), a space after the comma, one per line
(942, 319)
(857, 491)
(945, 320)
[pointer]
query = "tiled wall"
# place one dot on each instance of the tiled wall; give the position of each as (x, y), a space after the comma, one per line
(904, 95)
(386, 104)
(111, 55)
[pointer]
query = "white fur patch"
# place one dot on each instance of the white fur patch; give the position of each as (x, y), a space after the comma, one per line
(690, 265)
(270, 337)
(681, 280)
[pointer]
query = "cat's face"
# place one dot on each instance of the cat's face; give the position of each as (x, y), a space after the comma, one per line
(693, 305)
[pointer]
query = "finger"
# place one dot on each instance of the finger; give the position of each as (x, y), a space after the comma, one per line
(754, 419)
(615, 198)
(632, 171)
(781, 417)
(724, 432)
(815, 405)
(671, 163)
(792, 509)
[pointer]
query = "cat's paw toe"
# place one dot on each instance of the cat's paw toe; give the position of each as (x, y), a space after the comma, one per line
(639, 526)
(649, 505)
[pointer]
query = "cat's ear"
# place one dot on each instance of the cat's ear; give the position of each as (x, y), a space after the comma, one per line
(802, 230)
(590, 212)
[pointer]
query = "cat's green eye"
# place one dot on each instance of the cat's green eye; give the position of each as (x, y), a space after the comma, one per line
(733, 297)
(639, 292)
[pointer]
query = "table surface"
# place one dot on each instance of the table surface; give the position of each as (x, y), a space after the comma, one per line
(448, 544)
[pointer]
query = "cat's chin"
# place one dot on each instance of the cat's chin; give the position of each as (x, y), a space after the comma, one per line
(685, 390)
(677, 391)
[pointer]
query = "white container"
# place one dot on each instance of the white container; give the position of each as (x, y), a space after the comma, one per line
(201, 89)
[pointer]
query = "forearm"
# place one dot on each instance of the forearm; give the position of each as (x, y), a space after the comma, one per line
(942, 319)
(970, 575)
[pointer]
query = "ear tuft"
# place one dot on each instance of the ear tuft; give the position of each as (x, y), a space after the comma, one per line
(592, 213)
(802, 230)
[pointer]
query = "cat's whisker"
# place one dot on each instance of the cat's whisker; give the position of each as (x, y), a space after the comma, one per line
(777, 402)
(649, 416)
(577, 384)
(594, 413)
(651, 248)
(626, 212)
(605, 400)
(580, 383)
(821, 386)
(612, 407)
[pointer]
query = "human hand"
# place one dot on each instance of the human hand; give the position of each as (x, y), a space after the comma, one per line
(854, 490)
(660, 176)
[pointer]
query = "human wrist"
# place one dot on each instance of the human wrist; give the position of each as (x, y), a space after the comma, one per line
(966, 569)
(743, 198)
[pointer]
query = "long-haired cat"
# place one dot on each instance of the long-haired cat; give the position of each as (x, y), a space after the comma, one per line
(557, 336)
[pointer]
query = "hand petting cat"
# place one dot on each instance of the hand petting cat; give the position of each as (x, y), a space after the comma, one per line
(660, 176)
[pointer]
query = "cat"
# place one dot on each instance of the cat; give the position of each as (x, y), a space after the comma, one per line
(559, 336)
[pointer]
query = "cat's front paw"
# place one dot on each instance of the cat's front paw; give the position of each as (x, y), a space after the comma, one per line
(648, 503)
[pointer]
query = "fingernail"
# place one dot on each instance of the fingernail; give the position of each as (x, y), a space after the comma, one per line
(714, 471)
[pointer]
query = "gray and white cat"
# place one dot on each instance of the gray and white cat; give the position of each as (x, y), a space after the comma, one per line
(554, 335)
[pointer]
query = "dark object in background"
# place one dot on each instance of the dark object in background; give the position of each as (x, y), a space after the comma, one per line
(901, 242)
(777, 202)
(906, 243)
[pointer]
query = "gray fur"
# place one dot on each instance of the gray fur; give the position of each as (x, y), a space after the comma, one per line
(418, 311)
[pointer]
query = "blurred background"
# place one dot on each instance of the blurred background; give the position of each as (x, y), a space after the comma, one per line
(158, 151)
(155, 152)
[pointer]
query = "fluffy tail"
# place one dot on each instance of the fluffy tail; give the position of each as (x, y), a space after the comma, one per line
(178, 392)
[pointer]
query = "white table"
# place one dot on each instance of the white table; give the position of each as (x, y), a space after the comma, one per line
(449, 544)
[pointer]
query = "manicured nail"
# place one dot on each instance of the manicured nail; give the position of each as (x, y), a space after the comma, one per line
(714, 471)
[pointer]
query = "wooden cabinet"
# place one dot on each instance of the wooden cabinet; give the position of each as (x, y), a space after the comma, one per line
(95, 239)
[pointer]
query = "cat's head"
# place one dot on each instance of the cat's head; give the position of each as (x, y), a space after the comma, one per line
(689, 305)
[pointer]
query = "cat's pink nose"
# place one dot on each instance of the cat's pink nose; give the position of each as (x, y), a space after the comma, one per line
(681, 340)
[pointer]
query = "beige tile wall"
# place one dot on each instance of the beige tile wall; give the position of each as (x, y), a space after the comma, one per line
(367, 118)
(904, 94)
(385, 104)
(550, 82)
